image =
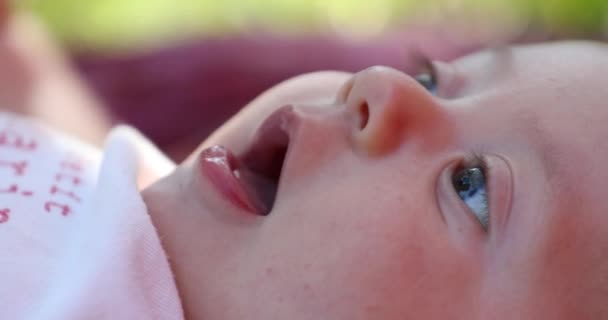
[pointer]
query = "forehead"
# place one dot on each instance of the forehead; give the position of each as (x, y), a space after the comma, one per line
(559, 56)
(556, 93)
(543, 67)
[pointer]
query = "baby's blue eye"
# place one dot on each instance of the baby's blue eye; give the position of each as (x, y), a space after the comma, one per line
(427, 75)
(470, 184)
(428, 81)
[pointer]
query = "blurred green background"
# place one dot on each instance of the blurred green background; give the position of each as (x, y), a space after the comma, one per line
(115, 24)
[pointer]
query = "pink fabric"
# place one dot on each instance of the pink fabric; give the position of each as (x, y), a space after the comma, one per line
(76, 241)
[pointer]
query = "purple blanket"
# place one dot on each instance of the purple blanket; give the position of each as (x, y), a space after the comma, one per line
(178, 95)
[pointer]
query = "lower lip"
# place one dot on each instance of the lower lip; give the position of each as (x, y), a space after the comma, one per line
(217, 163)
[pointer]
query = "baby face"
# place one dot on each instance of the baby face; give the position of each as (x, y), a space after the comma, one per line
(477, 196)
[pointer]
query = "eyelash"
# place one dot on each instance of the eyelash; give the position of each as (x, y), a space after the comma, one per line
(476, 160)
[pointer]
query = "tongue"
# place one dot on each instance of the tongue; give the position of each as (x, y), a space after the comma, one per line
(261, 189)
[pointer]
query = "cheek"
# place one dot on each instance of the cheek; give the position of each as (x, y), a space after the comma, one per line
(357, 248)
(337, 268)
(364, 269)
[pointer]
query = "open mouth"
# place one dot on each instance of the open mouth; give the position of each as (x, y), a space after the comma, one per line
(251, 180)
(262, 164)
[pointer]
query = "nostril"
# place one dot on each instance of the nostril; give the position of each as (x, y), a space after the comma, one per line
(363, 112)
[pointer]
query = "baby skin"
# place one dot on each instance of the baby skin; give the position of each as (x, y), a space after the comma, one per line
(475, 191)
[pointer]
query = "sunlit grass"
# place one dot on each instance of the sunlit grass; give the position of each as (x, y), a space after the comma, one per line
(120, 23)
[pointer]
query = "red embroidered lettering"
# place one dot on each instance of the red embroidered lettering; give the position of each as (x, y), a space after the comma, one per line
(72, 165)
(70, 194)
(15, 140)
(65, 209)
(74, 179)
(4, 215)
(19, 167)
(13, 188)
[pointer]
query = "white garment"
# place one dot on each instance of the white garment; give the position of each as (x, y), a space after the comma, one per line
(76, 241)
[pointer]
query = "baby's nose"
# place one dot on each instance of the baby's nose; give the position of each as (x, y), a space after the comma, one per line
(386, 107)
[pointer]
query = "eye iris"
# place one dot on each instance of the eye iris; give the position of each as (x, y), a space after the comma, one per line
(468, 181)
(470, 184)
(427, 81)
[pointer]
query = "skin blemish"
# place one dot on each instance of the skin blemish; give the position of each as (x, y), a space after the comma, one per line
(270, 272)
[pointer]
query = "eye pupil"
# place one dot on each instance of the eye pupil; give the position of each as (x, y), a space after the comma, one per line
(463, 184)
(467, 181)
